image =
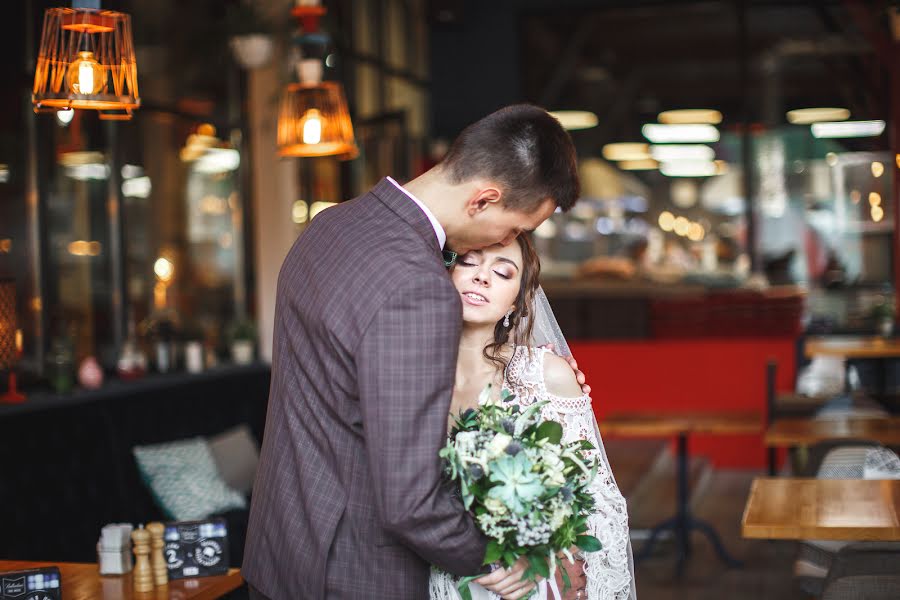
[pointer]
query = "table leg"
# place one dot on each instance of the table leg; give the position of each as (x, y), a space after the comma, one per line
(683, 522)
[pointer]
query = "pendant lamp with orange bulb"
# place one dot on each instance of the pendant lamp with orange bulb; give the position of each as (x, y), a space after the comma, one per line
(313, 118)
(86, 60)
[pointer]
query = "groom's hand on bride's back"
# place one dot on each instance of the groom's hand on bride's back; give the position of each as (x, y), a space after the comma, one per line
(579, 376)
(508, 583)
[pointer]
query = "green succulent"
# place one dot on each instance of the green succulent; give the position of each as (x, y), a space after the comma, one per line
(518, 485)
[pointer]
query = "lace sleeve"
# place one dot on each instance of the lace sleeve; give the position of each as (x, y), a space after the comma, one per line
(609, 571)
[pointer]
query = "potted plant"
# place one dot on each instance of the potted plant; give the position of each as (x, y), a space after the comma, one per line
(883, 315)
(242, 339)
(161, 329)
(250, 35)
(193, 337)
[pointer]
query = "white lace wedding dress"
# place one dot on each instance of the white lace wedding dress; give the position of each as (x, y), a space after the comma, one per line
(609, 571)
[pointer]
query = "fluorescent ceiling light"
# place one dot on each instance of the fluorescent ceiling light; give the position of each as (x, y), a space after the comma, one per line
(132, 171)
(848, 129)
(575, 119)
(688, 168)
(685, 134)
(137, 187)
(670, 152)
(87, 172)
(71, 159)
(644, 164)
(807, 116)
(218, 160)
(690, 116)
(626, 151)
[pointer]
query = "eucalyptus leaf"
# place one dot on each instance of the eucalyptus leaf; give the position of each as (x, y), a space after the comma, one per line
(539, 564)
(588, 543)
(550, 431)
(567, 583)
(463, 587)
(493, 552)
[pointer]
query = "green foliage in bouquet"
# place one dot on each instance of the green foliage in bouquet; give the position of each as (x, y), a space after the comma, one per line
(528, 491)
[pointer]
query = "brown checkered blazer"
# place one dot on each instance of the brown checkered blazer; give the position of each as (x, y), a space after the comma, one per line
(348, 500)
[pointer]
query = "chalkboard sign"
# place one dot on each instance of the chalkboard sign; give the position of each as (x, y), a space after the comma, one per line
(31, 584)
(196, 548)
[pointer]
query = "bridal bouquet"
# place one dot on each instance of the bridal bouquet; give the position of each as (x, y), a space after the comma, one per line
(526, 488)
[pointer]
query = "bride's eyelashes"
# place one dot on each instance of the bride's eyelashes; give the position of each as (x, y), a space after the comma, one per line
(463, 263)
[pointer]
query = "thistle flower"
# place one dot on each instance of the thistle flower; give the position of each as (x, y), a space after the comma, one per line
(513, 448)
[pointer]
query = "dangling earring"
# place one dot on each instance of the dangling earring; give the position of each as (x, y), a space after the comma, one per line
(506, 318)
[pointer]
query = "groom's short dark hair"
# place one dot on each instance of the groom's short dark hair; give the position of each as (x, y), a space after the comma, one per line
(523, 148)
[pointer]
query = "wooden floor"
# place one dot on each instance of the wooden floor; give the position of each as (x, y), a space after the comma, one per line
(719, 498)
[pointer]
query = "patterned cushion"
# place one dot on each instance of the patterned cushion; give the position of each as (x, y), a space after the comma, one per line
(881, 463)
(236, 455)
(184, 480)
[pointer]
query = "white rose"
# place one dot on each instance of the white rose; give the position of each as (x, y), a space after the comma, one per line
(498, 445)
(553, 467)
(495, 506)
(560, 513)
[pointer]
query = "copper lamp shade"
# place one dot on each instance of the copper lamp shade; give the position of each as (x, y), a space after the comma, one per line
(7, 324)
(86, 60)
(313, 120)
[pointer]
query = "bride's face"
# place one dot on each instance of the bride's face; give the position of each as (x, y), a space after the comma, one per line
(488, 282)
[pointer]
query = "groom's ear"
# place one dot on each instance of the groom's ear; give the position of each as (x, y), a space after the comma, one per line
(482, 199)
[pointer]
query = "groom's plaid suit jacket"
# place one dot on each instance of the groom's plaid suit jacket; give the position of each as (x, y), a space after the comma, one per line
(348, 501)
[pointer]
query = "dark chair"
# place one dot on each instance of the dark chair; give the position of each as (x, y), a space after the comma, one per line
(870, 572)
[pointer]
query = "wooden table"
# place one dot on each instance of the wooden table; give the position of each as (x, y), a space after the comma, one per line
(665, 425)
(82, 581)
(788, 508)
(853, 347)
(681, 425)
(877, 349)
(796, 431)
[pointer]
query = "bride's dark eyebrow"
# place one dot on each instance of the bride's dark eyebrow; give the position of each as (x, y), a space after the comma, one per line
(507, 260)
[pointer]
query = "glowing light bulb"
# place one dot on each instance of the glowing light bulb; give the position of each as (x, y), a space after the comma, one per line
(86, 75)
(164, 269)
(666, 221)
(65, 116)
(312, 127)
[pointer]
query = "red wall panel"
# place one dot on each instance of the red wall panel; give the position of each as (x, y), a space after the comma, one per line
(672, 375)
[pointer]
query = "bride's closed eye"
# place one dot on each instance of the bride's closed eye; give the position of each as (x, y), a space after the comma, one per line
(464, 262)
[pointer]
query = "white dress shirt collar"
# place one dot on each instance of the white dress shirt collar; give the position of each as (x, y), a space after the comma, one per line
(438, 230)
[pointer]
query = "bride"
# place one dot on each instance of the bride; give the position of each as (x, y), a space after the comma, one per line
(505, 317)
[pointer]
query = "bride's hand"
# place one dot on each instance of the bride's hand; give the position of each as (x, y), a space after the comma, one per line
(508, 583)
(579, 376)
(577, 579)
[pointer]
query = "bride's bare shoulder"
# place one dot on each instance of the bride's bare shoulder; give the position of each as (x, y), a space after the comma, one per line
(559, 377)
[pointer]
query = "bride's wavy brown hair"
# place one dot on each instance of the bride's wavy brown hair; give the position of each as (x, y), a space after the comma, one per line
(519, 326)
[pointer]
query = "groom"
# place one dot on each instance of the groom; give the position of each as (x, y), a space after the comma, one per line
(348, 501)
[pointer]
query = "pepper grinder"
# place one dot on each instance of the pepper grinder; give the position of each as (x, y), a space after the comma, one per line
(157, 561)
(143, 575)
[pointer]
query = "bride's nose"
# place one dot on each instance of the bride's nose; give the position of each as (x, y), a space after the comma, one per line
(482, 278)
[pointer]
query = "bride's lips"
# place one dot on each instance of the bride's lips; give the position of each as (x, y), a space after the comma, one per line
(474, 298)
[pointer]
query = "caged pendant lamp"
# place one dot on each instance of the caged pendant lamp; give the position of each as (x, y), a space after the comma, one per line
(86, 60)
(313, 118)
